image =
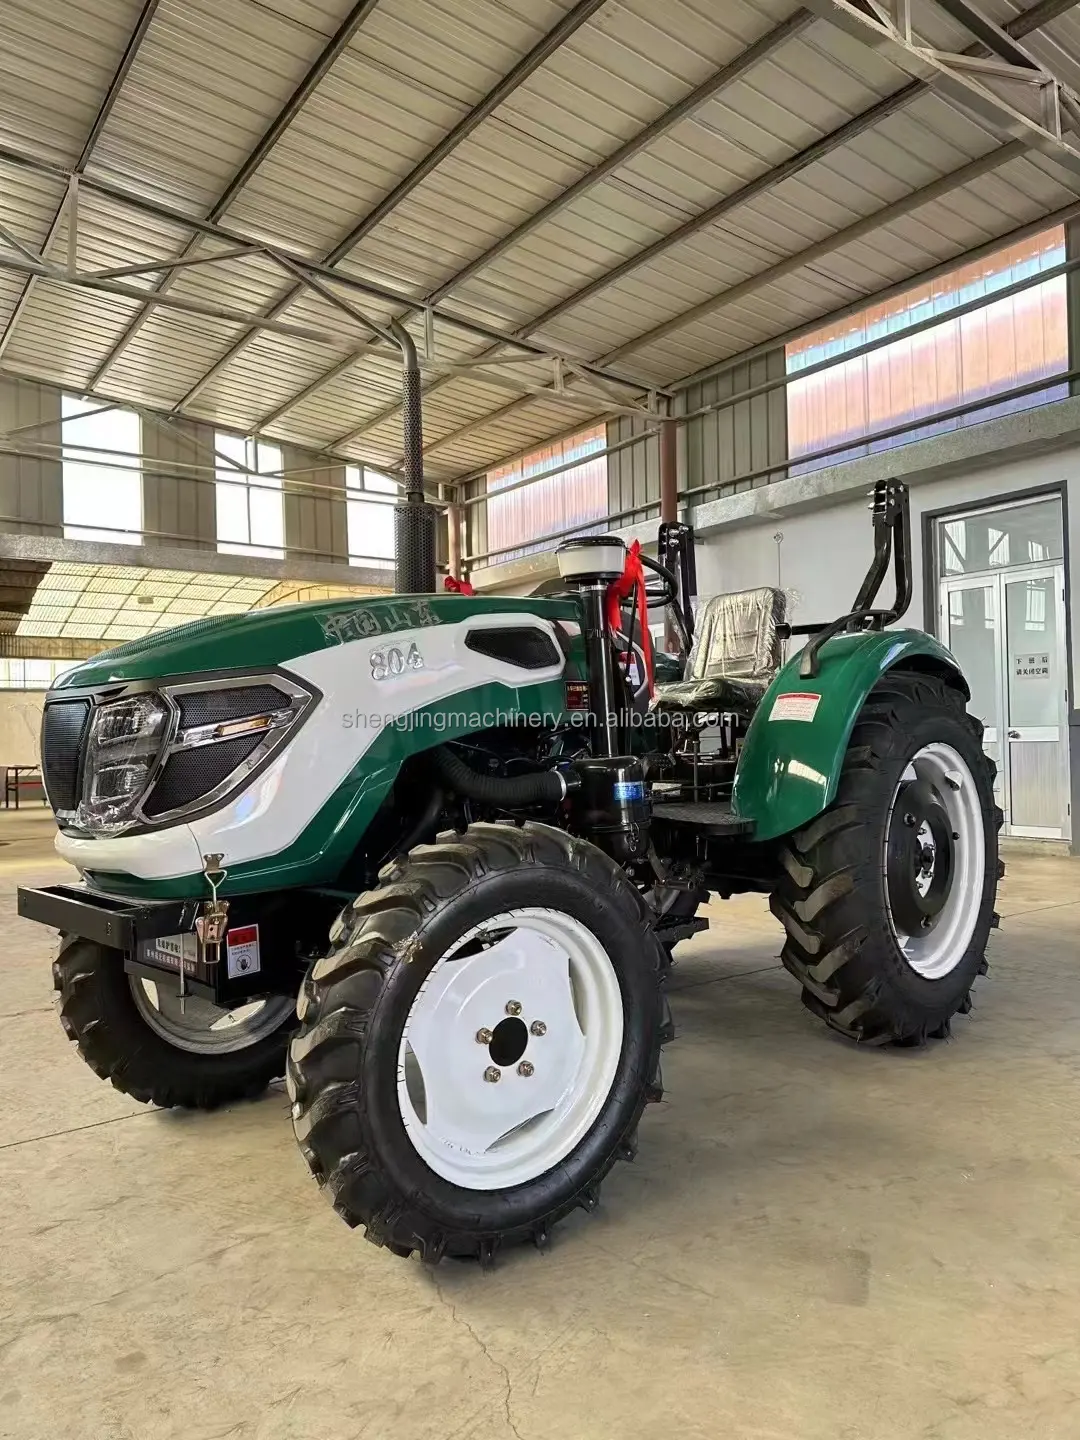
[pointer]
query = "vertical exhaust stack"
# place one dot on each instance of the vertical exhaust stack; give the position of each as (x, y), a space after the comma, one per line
(414, 516)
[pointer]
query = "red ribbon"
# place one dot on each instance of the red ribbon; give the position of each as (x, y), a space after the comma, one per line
(632, 582)
(457, 587)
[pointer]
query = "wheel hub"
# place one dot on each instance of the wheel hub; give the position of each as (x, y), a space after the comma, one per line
(508, 1041)
(920, 860)
(201, 1027)
(510, 1049)
(935, 860)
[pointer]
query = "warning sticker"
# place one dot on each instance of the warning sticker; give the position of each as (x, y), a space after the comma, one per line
(795, 705)
(242, 949)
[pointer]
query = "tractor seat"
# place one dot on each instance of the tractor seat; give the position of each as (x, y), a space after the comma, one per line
(735, 656)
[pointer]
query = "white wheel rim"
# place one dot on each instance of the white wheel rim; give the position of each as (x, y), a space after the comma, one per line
(938, 952)
(200, 1026)
(491, 1133)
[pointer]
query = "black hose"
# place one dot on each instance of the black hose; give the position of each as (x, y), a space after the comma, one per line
(425, 825)
(544, 785)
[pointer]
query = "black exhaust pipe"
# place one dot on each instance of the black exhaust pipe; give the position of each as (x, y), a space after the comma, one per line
(415, 516)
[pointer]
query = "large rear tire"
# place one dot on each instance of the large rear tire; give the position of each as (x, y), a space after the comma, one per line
(887, 897)
(479, 1044)
(130, 1034)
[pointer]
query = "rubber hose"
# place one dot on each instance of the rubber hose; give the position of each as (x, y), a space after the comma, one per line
(544, 785)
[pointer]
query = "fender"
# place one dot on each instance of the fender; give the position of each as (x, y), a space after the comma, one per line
(789, 769)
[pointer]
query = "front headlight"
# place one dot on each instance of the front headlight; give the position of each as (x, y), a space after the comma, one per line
(123, 747)
(155, 758)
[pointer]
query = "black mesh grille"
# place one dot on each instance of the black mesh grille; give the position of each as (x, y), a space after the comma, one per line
(522, 645)
(210, 707)
(63, 729)
(414, 549)
(190, 774)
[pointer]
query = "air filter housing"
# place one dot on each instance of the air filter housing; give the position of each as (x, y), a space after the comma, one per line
(591, 559)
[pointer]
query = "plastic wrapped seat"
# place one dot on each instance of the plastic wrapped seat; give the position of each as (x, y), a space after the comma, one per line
(736, 654)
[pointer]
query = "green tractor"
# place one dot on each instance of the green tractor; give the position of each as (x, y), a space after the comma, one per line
(468, 832)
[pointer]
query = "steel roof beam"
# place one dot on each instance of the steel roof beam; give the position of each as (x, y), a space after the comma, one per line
(954, 180)
(850, 130)
(317, 72)
(45, 271)
(717, 82)
(1019, 26)
(26, 160)
(131, 50)
(1012, 93)
(536, 57)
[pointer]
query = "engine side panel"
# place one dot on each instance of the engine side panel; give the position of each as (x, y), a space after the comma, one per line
(384, 698)
(790, 763)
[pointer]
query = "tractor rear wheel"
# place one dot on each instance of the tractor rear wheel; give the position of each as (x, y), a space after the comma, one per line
(887, 897)
(479, 1044)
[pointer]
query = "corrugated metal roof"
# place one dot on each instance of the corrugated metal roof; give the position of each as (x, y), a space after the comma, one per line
(211, 77)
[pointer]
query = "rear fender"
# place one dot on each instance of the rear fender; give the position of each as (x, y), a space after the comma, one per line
(790, 764)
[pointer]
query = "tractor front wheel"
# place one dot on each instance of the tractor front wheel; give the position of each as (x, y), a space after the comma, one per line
(478, 1045)
(138, 1034)
(887, 897)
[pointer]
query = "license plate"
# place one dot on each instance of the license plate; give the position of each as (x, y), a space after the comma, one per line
(172, 952)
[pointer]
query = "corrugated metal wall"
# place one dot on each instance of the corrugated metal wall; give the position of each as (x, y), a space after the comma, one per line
(178, 502)
(31, 490)
(718, 447)
(633, 473)
(315, 523)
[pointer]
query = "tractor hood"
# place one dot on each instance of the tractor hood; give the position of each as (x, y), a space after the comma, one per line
(278, 634)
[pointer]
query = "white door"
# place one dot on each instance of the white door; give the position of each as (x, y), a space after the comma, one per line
(1036, 734)
(969, 627)
(1008, 633)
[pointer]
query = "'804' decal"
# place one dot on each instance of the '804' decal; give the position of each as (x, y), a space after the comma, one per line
(385, 664)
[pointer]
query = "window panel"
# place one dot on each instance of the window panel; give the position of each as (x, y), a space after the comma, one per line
(102, 483)
(267, 517)
(250, 507)
(575, 499)
(370, 523)
(991, 539)
(1006, 344)
(232, 514)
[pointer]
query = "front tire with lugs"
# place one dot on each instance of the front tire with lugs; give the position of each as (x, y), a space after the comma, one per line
(479, 1043)
(887, 897)
(114, 1029)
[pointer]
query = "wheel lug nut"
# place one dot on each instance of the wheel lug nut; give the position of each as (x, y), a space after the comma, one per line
(513, 1007)
(525, 1069)
(492, 1073)
(909, 819)
(538, 1028)
(483, 1037)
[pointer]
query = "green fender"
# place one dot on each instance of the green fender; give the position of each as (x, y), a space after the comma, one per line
(790, 767)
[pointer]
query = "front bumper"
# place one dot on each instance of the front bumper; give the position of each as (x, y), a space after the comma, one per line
(119, 924)
(130, 927)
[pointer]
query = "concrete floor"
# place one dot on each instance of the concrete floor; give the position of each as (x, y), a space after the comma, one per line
(814, 1242)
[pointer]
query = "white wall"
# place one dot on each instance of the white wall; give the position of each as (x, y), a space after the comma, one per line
(20, 726)
(825, 552)
(821, 561)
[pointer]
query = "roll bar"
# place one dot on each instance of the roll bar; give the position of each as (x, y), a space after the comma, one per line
(891, 511)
